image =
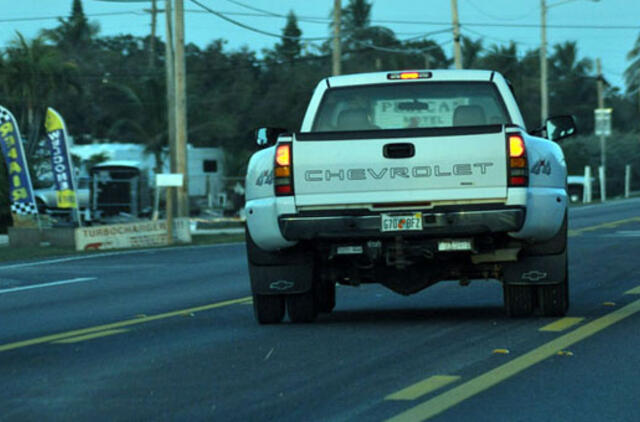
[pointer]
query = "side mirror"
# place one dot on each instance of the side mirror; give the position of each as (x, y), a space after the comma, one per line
(560, 127)
(267, 136)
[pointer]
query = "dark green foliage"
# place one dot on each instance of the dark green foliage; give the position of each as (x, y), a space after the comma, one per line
(622, 149)
(289, 49)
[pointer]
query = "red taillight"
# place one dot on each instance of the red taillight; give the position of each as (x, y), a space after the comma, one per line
(518, 169)
(518, 181)
(282, 172)
(284, 190)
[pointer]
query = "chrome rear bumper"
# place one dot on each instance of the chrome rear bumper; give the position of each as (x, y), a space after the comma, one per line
(300, 227)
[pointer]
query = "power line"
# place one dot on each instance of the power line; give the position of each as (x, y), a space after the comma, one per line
(501, 18)
(502, 40)
(41, 18)
(401, 51)
(510, 25)
(259, 31)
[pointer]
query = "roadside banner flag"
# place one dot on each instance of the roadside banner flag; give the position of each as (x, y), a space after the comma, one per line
(61, 164)
(20, 189)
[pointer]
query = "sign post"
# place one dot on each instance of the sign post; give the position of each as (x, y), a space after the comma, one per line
(169, 180)
(603, 129)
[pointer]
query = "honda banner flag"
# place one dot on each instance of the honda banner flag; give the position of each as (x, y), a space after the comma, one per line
(61, 165)
(20, 188)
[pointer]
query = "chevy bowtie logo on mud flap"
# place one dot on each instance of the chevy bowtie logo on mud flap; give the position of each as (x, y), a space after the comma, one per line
(281, 285)
(534, 275)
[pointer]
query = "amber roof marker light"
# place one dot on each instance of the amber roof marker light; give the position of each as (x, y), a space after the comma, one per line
(409, 75)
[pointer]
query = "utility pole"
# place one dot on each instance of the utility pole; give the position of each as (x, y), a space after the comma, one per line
(544, 89)
(152, 39)
(181, 110)
(171, 105)
(457, 52)
(603, 139)
(427, 61)
(337, 53)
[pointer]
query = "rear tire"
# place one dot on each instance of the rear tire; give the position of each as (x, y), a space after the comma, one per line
(518, 300)
(268, 309)
(325, 295)
(302, 307)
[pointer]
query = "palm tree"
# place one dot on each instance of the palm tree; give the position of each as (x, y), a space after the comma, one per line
(632, 73)
(74, 35)
(572, 87)
(503, 59)
(471, 53)
(143, 117)
(34, 74)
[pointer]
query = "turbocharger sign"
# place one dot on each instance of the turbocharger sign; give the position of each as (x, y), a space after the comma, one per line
(140, 234)
(60, 160)
(20, 189)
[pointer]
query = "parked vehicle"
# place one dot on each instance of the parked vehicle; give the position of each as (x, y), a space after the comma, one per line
(46, 197)
(119, 187)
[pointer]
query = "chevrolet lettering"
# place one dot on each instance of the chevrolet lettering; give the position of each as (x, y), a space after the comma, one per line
(318, 175)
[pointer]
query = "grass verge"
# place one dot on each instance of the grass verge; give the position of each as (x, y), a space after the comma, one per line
(23, 254)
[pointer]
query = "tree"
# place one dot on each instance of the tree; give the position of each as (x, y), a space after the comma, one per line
(573, 88)
(74, 38)
(74, 35)
(356, 17)
(34, 76)
(632, 73)
(288, 50)
(471, 53)
(144, 120)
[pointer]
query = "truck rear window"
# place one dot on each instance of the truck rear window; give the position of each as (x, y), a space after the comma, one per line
(410, 105)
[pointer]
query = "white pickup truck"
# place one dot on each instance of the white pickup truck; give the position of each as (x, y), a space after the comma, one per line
(406, 179)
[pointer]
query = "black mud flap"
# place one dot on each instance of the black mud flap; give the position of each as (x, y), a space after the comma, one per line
(280, 279)
(536, 270)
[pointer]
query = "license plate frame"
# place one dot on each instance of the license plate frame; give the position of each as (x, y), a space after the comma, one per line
(400, 222)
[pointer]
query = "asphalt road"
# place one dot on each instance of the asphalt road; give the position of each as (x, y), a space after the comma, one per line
(170, 335)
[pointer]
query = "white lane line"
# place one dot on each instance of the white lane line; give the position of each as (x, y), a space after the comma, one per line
(53, 283)
(107, 254)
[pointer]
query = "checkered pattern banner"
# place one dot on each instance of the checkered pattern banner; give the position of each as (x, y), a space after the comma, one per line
(20, 188)
(22, 208)
(4, 115)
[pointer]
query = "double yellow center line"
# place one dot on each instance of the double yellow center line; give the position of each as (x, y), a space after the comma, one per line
(458, 394)
(108, 329)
